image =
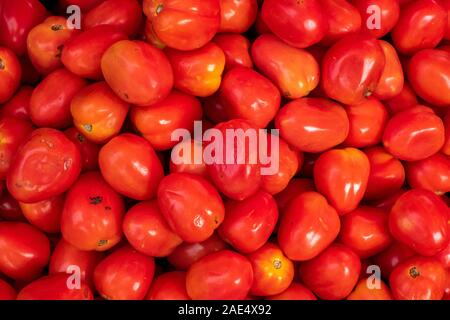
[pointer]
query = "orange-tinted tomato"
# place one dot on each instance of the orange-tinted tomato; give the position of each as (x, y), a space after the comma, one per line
(18, 105)
(342, 18)
(376, 25)
(432, 174)
(46, 214)
(296, 291)
(237, 15)
(236, 48)
(169, 286)
(10, 74)
(7, 292)
(392, 79)
(88, 150)
(365, 292)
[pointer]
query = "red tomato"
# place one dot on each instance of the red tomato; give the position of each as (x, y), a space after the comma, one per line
(341, 175)
(10, 209)
(92, 215)
(137, 72)
(18, 105)
(187, 162)
(298, 23)
(352, 68)
(389, 11)
(6, 291)
(83, 53)
(236, 48)
(249, 223)
(294, 188)
(148, 232)
(446, 147)
(224, 275)
(431, 174)
(404, 100)
(46, 165)
(185, 25)
(237, 15)
(296, 291)
(444, 257)
(50, 101)
(85, 5)
(414, 134)
(10, 74)
(169, 286)
(421, 25)
(88, 150)
(24, 250)
(392, 79)
(333, 274)
(181, 198)
(55, 287)
(418, 278)
(392, 256)
(364, 292)
(46, 214)
(124, 275)
(130, 165)
(420, 220)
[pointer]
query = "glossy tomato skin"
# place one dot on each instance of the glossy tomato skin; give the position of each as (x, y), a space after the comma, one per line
(427, 215)
(295, 71)
(236, 15)
(298, 23)
(10, 74)
(308, 226)
(98, 113)
(50, 102)
(88, 150)
(432, 174)
(187, 164)
(414, 134)
(55, 287)
(296, 291)
(363, 292)
(181, 198)
(418, 278)
(333, 274)
(137, 72)
(224, 275)
(352, 68)
(421, 25)
(24, 250)
(390, 13)
(46, 214)
(249, 223)
(7, 292)
(83, 53)
(46, 165)
(392, 256)
(169, 286)
(92, 215)
(124, 275)
(392, 79)
(236, 48)
(117, 163)
(444, 256)
(147, 231)
(18, 105)
(341, 175)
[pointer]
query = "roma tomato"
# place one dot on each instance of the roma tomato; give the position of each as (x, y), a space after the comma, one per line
(446, 148)
(296, 291)
(124, 275)
(7, 292)
(308, 226)
(181, 198)
(392, 256)
(88, 150)
(237, 15)
(236, 48)
(249, 223)
(130, 165)
(83, 53)
(364, 292)
(404, 100)
(341, 175)
(24, 250)
(389, 14)
(352, 68)
(432, 174)
(181, 162)
(333, 274)
(420, 220)
(50, 101)
(137, 72)
(18, 105)
(46, 165)
(294, 188)
(10, 74)
(148, 232)
(392, 79)
(98, 113)
(46, 214)
(224, 275)
(92, 215)
(169, 286)
(298, 23)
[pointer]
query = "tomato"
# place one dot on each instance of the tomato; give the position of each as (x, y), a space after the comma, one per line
(444, 257)
(389, 15)
(421, 25)
(18, 105)
(66, 259)
(333, 274)
(298, 23)
(181, 198)
(6, 291)
(83, 53)
(249, 223)
(130, 165)
(223, 275)
(169, 286)
(88, 150)
(17, 18)
(236, 48)
(428, 72)
(46, 214)
(24, 250)
(124, 14)
(85, 5)
(387, 174)
(364, 292)
(404, 100)
(147, 231)
(214, 109)
(294, 71)
(420, 219)
(46, 165)
(237, 15)
(392, 256)
(446, 148)
(186, 163)
(432, 174)
(341, 175)
(10, 209)
(137, 72)
(418, 278)
(13, 132)
(46, 41)
(55, 287)
(392, 79)
(92, 215)
(10, 74)
(295, 187)
(352, 68)
(50, 102)
(414, 134)
(367, 122)
(296, 291)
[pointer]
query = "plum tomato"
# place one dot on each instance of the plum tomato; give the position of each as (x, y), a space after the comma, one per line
(10, 74)
(296, 291)
(364, 292)
(7, 292)
(19, 105)
(46, 214)
(388, 259)
(237, 15)
(295, 187)
(169, 286)
(88, 150)
(446, 148)
(392, 79)
(188, 164)
(389, 15)
(236, 48)
(404, 100)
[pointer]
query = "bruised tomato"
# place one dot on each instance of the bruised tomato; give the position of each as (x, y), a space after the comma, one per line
(169, 286)
(10, 74)
(46, 214)
(88, 150)
(378, 16)
(392, 79)
(237, 15)
(236, 48)
(296, 291)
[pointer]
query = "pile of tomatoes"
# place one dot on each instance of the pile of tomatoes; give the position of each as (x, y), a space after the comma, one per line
(93, 207)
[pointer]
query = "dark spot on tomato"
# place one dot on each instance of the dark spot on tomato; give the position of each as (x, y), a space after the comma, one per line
(2, 65)
(59, 52)
(108, 208)
(80, 137)
(95, 200)
(126, 95)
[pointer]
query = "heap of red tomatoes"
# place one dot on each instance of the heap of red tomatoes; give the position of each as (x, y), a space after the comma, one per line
(93, 207)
